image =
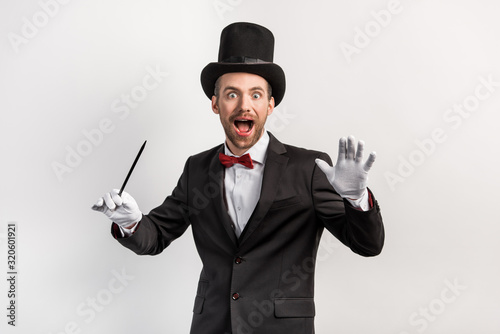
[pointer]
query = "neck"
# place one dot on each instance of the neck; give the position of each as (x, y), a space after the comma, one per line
(235, 150)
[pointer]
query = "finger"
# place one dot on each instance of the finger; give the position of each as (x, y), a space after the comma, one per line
(98, 205)
(109, 201)
(359, 151)
(369, 162)
(350, 148)
(99, 202)
(342, 149)
(116, 198)
(325, 168)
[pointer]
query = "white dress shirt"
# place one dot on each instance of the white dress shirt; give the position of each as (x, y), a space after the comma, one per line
(242, 185)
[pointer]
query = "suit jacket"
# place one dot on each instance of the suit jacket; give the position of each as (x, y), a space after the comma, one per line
(263, 281)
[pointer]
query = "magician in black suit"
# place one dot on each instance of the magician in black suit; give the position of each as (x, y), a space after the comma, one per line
(257, 207)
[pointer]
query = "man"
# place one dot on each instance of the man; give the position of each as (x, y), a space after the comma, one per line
(258, 228)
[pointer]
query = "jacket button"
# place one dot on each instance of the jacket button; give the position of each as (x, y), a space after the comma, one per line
(236, 296)
(238, 260)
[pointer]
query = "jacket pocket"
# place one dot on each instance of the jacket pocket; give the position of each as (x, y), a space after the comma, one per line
(198, 304)
(200, 296)
(285, 202)
(294, 308)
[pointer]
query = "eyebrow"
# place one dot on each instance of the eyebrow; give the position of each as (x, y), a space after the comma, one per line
(237, 89)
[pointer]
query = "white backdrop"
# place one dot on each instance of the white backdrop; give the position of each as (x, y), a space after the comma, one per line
(84, 83)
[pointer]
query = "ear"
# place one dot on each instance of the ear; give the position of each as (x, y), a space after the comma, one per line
(270, 108)
(215, 107)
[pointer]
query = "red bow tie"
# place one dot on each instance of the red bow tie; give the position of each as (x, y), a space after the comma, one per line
(228, 161)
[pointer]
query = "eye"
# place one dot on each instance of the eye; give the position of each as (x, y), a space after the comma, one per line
(256, 95)
(232, 95)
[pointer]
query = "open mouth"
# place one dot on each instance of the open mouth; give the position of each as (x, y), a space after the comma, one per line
(243, 126)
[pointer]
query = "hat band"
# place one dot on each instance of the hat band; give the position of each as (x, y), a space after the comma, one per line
(243, 59)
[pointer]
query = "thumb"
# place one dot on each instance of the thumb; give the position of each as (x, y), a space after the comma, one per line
(326, 168)
(98, 206)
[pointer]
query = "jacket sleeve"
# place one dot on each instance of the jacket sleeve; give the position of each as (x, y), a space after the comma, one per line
(361, 231)
(163, 224)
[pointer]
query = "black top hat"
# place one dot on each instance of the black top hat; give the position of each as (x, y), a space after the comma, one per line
(245, 47)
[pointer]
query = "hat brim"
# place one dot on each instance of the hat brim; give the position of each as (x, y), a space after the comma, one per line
(272, 72)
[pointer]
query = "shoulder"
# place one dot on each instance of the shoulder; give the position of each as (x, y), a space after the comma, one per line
(306, 155)
(200, 163)
(206, 155)
(296, 152)
(302, 152)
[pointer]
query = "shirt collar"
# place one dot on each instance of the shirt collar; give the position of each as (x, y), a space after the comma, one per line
(257, 152)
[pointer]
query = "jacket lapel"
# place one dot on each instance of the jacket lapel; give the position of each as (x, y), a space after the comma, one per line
(216, 174)
(276, 163)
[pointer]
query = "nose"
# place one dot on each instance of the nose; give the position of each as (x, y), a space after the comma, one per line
(245, 102)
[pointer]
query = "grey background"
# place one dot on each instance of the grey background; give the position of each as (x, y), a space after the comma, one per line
(71, 72)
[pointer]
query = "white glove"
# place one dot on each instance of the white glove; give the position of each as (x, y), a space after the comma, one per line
(349, 176)
(122, 210)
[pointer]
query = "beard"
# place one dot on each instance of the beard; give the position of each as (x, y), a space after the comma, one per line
(242, 142)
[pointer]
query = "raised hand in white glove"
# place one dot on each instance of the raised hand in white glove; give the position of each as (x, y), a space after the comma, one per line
(122, 210)
(349, 176)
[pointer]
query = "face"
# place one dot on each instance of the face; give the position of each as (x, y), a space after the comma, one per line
(243, 107)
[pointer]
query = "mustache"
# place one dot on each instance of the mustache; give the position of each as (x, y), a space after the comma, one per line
(247, 115)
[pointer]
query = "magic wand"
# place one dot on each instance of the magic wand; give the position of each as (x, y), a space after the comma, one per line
(132, 168)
